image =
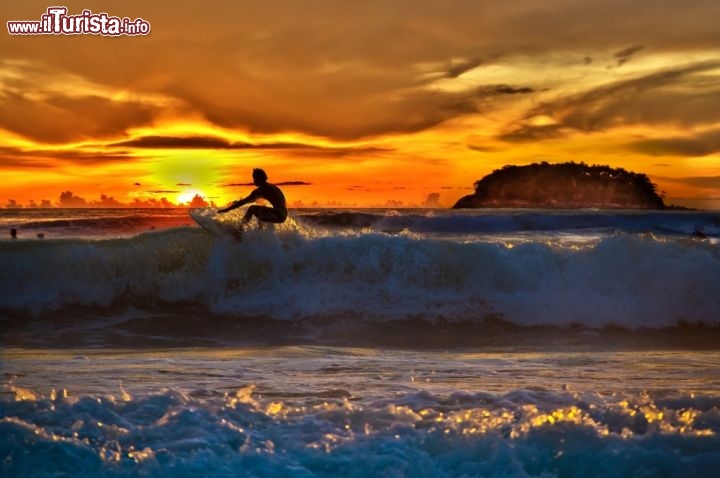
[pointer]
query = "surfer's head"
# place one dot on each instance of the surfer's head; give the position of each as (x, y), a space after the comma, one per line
(259, 176)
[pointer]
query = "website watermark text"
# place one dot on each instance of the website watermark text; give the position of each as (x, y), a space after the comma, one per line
(57, 22)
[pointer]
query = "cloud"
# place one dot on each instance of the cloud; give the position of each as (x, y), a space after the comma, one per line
(171, 142)
(480, 148)
(337, 112)
(654, 98)
(702, 144)
(69, 199)
(651, 99)
(286, 77)
(530, 133)
(293, 183)
(63, 119)
(336, 71)
(107, 201)
(624, 55)
(283, 183)
(214, 142)
(45, 158)
(152, 202)
(203, 142)
(38, 106)
(462, 67)
(494, 90)
(432, 201)
(8, 159)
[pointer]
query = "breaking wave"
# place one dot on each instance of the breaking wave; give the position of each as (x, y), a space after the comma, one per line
(625, 280)
(680, 223)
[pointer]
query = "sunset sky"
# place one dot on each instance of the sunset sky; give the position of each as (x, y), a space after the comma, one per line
(368, 103)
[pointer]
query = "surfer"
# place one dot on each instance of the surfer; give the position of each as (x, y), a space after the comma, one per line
(265, 190)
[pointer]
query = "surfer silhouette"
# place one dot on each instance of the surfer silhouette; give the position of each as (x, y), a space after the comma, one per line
(265, 190)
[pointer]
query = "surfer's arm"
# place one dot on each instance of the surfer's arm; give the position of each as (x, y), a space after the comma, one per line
(241, 202)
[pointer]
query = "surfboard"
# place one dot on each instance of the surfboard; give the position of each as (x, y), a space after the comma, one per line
(221, 225)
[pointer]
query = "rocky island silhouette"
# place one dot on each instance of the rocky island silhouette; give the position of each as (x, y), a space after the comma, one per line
(563, 186)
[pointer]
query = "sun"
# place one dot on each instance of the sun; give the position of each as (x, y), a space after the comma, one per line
(186, 196)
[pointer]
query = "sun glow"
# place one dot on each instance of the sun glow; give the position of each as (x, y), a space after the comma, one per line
(187, 196)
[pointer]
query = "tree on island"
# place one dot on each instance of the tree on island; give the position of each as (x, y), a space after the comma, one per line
(565, 185)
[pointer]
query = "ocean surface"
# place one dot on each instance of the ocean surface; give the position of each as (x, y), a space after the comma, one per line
(360, 343)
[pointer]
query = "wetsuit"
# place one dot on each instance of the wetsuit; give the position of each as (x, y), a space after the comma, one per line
(278, 213)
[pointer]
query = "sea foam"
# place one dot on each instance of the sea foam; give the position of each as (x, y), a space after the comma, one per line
(517, 434)
(627, 280)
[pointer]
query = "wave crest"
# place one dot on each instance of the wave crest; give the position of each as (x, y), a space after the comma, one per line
(630, 281)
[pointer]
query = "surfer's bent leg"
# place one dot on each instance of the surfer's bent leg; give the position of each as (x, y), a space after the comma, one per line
(270, 214)
(249, 214)
(265, 214)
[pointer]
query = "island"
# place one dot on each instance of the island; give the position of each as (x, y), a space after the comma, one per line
(563, 186)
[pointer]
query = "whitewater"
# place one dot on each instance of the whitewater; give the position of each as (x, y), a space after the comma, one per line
(361, 343)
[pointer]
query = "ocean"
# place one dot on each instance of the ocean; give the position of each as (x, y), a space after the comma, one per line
(361, 343)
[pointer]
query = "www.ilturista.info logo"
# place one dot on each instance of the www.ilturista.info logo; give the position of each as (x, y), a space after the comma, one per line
(57, 22)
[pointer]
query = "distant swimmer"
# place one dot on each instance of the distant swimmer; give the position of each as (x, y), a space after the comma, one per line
(13, 233)
(698, 233)
(271, 193)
